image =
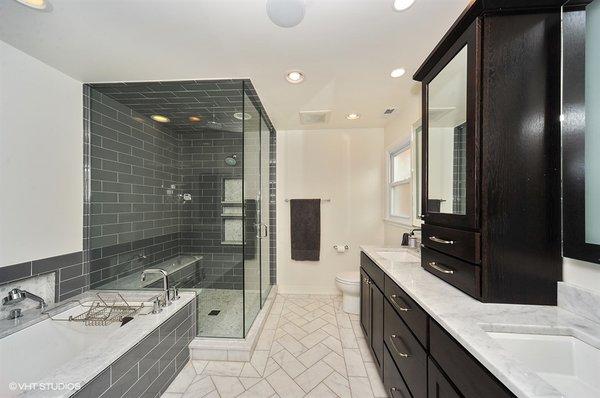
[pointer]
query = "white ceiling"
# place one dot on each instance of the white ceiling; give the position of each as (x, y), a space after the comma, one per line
(346, 48)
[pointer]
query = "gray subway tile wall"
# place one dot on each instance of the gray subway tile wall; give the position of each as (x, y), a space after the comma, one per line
(147, 369)
(71, 273)
(130, 174)
(131, 160)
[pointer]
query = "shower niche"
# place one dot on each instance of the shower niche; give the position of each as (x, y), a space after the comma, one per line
(178, 177)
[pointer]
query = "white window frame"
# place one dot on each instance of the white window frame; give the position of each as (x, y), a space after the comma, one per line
(416, 188)
(392, 151)
(413, 219)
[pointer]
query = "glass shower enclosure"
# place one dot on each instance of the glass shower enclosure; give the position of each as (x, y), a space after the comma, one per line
(178, 177)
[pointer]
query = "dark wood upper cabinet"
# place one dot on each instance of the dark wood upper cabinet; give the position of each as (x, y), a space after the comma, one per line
(492, 151)
(581, 102)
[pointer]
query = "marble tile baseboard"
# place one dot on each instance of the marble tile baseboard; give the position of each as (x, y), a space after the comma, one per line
(580, 301)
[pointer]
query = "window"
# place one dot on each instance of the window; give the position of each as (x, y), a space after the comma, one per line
(404, 181)
(417, 145)
(400, 175)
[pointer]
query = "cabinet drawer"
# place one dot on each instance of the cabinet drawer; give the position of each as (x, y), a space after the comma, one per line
(372, 270)
(464, 371)
(463, 275)
(406, 351)
(392, 380)
(412, 314)
(455, 242)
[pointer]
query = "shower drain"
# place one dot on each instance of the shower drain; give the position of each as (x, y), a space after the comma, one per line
(214, 312)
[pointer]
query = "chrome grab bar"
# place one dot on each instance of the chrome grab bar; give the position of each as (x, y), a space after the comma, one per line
(440, 240)
(401, 353)
(441, 268)
(399, 307)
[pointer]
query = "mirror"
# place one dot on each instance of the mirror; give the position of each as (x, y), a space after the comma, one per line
(592, 123)
(447, 132)
(581, 130)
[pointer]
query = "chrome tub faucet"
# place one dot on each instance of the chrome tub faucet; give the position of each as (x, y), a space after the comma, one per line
(166, 288)
(16, 296)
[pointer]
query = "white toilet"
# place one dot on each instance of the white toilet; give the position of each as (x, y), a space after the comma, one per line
(349, 284)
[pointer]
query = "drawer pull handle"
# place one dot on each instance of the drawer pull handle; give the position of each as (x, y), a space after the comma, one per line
(441, 268)
(403, 354)
(442, 241)
(403, 308)
(394, 390)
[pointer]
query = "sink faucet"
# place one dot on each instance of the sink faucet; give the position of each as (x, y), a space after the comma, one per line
(167, 300)
(16, 296)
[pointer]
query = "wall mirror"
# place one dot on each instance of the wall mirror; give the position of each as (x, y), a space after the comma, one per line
(581, 130)
(447, 144)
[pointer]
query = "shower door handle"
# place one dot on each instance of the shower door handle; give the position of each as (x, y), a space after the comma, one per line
(266, 230)
(259, 230)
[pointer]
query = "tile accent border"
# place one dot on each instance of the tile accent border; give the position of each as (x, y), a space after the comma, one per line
(72, 275)
(147, 369)
(577, 300)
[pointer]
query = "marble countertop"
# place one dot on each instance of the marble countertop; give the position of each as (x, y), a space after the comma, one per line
(468, 320)
(89, 363)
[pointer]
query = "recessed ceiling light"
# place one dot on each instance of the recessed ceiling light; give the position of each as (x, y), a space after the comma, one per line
(353, 116)
(295, 77)
(239, 116)
(401, 5)
(160, 118)
(195, 119)
(37, 4)
(398, 72)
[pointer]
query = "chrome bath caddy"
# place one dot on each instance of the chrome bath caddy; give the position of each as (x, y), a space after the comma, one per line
(100, 313)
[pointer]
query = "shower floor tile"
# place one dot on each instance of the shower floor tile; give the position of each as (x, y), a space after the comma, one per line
(230, 304)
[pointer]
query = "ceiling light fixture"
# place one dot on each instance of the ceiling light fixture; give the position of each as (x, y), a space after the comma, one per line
(353, 116)
(195, 119)
(239, 116)
(286, 13)
(398, 72)
(160, 118)
(295, 77)
(401, 5)
(37, 4)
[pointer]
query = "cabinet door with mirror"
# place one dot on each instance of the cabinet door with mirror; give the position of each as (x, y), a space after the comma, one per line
(581, 130)
(451, 134)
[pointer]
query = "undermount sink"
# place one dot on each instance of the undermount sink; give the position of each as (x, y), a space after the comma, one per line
(403, 256)
(565, 362)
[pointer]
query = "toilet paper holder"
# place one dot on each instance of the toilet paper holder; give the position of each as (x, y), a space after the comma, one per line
(345, 247)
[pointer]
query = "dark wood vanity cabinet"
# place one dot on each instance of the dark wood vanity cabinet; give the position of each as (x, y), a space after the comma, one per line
(491, 153)
(416, 357)
(371, 308)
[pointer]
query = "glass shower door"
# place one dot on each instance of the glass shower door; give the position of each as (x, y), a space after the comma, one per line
(252, 207)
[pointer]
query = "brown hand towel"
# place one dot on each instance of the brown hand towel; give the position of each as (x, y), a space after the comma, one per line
(305, 223)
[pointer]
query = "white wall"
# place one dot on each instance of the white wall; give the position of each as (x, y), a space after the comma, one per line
(41, 155)
(397, 131)
(341, 165)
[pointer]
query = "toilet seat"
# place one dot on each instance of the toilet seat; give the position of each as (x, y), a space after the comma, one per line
(348, 278)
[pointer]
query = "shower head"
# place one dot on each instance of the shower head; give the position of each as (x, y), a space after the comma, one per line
(231, 160)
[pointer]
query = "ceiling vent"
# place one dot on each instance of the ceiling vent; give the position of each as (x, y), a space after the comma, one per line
(315, 117)
(388, 112)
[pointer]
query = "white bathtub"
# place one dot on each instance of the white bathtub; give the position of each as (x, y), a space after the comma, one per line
(55, 351)
(33, 353)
